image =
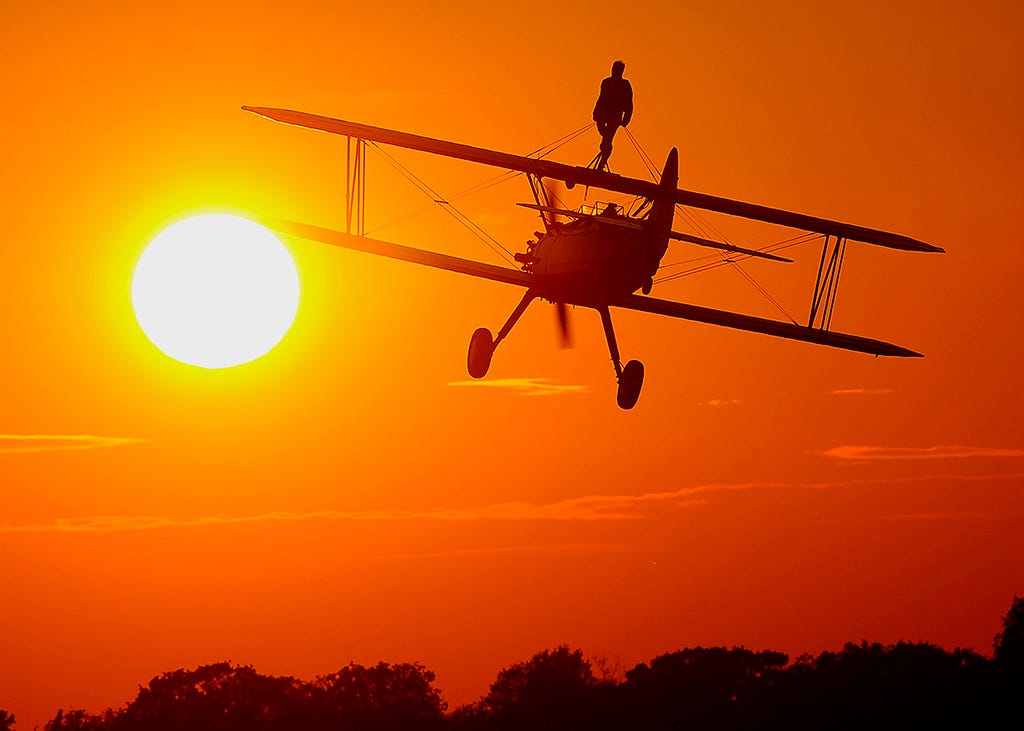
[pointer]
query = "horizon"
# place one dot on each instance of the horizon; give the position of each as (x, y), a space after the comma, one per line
(599, 669)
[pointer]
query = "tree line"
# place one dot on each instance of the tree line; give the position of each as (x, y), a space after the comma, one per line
(908, 685)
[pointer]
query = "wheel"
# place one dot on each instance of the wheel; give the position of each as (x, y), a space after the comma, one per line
(630, 381)
(481, 347)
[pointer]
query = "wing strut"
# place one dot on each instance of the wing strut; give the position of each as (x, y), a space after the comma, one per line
(355, 184)
(826, 285)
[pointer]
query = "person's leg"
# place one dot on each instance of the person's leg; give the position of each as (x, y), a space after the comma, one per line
(607, 130)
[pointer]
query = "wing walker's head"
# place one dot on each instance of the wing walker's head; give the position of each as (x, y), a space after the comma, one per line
(617, 69)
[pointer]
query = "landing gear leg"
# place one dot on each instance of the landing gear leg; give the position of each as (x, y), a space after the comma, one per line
(630, 378)
(481, 346)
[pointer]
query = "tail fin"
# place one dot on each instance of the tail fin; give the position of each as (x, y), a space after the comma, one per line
(664, 207)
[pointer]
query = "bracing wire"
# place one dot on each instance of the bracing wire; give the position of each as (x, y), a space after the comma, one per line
(446, 205)
(708, 230)
(652, 167)
(702, 226)
(540, 153)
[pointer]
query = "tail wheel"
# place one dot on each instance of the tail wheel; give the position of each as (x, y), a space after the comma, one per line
(481, 348)
(630, 382)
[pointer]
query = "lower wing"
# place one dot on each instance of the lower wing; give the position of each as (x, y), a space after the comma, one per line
(763, 326)
(405, 253)
(631, 302)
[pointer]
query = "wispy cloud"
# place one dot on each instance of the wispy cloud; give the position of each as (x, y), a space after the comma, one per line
(519, 549)
(525, 386)
(585, 508)
(123, 523)
(590, 508)
(945, 451)
(862, 391)
(716, 402)
(929, 517)
(27, 443)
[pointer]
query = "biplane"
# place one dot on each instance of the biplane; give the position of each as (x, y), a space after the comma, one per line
(602, 259)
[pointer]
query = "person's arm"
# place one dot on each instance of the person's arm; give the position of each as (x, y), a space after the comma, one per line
(627, 113)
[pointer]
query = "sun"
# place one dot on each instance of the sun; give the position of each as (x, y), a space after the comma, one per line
(215, 290)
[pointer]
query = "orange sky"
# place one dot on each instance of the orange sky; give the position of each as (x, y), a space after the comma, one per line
(339, 500)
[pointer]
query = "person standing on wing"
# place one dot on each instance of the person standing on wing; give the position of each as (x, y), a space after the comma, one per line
(614, 108)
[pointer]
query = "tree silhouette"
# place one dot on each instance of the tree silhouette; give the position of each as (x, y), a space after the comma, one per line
(555, 689)
(1007, 686)
(399, 696)
(77, 720)
(6, 721)
(906, 685)
(865, 685)
(217, 697)
(699, 687)
(1009, 644)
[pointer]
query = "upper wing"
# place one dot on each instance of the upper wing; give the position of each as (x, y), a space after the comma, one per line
(763, 326)
(542, 168)
(405, 253)
(574, 175)
(802, 221)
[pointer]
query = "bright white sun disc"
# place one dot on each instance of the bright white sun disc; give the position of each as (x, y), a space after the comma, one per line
(215, 290)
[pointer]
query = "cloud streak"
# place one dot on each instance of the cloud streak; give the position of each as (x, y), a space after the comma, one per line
(33, 443)
(946, 451)
(862, 391)
(585, 508)
(525, 386)
(518, 549)
(717, 402)
(929, 517)
(591, 508)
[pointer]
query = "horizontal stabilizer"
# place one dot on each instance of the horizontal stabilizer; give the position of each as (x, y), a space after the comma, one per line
(763, 326)
(726, 247)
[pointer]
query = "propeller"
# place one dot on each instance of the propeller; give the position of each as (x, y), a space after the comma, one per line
(561, 311)
(564, 331)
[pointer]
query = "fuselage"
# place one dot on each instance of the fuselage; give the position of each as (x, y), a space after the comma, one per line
(596, 261)
(593, 262)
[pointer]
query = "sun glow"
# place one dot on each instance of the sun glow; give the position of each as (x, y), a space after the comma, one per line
(215, 291)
